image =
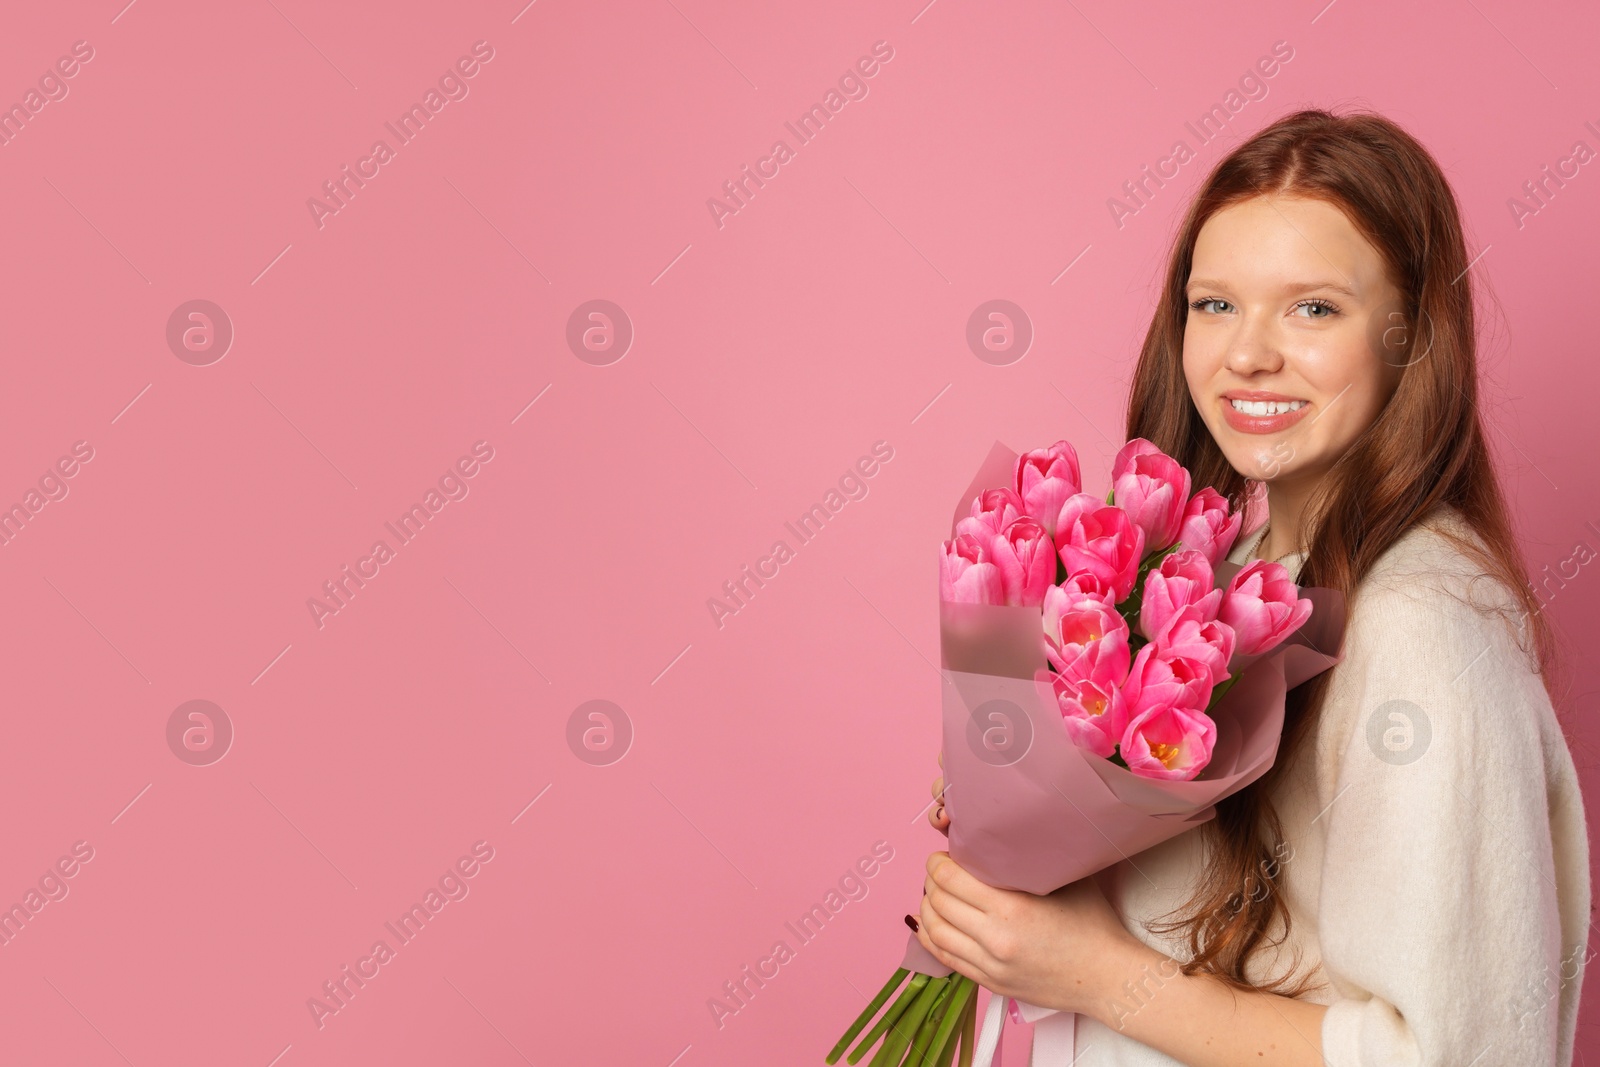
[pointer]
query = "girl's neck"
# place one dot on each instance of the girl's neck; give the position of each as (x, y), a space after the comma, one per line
(1283, 523)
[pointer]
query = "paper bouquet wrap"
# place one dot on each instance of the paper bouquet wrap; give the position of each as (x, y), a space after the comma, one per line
(1033, 809)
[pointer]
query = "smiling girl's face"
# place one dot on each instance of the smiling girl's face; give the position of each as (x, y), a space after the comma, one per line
(1295, 338)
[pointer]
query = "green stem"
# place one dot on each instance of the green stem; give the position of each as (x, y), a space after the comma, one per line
(922, 1045)
(969, 1032)
(866, 1016)
(942, 1042)
(905, 1028)
(909, 994)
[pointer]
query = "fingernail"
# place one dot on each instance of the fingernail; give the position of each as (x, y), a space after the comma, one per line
(912, 923)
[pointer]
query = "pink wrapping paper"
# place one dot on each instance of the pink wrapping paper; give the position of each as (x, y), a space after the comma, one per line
(1029, 810)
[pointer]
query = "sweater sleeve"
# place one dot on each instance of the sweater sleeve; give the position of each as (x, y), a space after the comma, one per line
(1438, 911)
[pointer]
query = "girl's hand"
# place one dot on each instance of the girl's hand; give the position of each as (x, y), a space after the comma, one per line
(940, 821)
(1066, 951)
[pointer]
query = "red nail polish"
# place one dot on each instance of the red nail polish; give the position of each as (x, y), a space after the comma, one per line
(912, 923)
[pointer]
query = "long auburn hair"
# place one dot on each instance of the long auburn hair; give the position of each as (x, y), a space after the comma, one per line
(1426, 448)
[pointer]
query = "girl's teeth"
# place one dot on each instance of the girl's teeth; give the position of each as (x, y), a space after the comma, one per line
(1267, 407)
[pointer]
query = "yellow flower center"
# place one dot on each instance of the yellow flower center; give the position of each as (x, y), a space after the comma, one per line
(1084, 632)
(1165, 753)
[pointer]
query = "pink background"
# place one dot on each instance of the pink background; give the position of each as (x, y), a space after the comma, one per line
(769, 753)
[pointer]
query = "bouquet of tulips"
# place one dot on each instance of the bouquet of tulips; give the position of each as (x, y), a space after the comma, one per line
(1109, 676)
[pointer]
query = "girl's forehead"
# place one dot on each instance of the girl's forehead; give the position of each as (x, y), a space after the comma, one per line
(1284, 242)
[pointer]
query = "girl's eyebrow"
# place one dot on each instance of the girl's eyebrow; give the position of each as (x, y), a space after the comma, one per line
(1289, 288)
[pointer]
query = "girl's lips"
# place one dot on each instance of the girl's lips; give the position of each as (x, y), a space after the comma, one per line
(1261, 423)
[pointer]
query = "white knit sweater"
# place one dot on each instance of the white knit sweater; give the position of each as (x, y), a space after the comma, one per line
(1436, 859)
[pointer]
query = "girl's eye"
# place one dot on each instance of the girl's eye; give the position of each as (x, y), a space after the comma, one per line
(1322, 308)
(1320, 305)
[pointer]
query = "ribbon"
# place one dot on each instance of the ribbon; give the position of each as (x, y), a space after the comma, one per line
(1054, 1032)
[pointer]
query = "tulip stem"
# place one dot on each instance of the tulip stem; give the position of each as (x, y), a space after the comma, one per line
(906, 1027)
(866, 1015)
(922, 1047)
(912, 989)
(969, 1033)
(943, 1042)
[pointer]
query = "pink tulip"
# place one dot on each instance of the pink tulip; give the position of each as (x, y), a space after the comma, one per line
(1168, 742)
(967, 574)
(1208, 525)
(992, 511)
(1045, 478)
(1094, 536)
(1153, 488)
(1262, 606)
(1088, 582)
(1184, 578)
(1026, 560)
(1085, 636)
(1094, 715)
(1192, 636)
(1159, 679)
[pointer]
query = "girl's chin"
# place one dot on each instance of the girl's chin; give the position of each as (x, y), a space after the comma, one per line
(1267, 463)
